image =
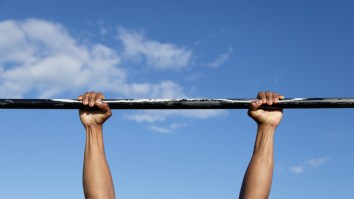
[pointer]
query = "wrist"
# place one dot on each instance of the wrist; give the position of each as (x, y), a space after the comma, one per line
(94, 138)
(268, 126)
(93, 127)
(94, 132)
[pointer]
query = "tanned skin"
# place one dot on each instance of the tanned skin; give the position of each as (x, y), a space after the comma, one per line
(258, 177)
(97, 179)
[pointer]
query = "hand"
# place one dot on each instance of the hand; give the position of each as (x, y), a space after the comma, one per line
(99, 111)
(266, 117)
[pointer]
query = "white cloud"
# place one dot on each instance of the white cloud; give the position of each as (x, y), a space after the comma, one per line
(314, 163)
(318, 162)
(157, 55)
(221, 59)
(165, 89)
(159, 116)
(297, 169)
(168, 129)
(40, 58)
(160, 129)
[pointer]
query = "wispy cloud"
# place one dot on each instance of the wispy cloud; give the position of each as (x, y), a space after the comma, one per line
(318, 161)
(167, 129)
(221, 59)
(157, 55)
(38, 56)
(159, 116)
(297, 169)
(312, 163)
(42, 59)
(164, 89)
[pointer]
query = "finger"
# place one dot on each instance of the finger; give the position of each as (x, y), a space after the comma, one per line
(80, 97)
(85, 98)
(99, 96)
(281, 97)
(269, 97)
(104, 108)
(255, 105)
(275, 97)
(262, 97)
(98, 100)
(91, 98)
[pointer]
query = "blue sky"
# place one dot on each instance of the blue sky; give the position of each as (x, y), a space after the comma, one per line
(173, 49)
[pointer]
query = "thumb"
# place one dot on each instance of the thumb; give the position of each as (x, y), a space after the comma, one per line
(255, 105)
(104, 107)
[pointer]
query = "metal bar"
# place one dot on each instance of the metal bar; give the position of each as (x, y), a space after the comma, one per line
(176, 103)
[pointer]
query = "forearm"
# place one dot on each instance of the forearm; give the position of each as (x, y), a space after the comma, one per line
(97, 180)
(258, 177)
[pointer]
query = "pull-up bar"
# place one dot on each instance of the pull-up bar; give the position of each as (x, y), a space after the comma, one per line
(176, 103)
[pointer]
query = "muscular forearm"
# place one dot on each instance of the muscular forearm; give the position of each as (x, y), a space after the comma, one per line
(97, 180)
(258, 178)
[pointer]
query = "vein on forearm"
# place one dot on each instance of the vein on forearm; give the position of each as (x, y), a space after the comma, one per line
(94, 141)
(264, 142)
